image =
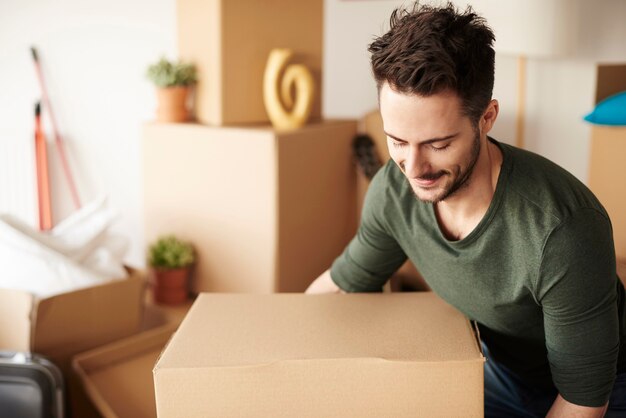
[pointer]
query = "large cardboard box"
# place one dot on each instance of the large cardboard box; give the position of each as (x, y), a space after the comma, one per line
(606, 178)
(61, 326)
(229, 41)
(118, 377)
(607, 170)
(256, 203)
(296, 355)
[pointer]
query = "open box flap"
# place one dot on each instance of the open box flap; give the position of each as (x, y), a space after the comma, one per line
(15, 319)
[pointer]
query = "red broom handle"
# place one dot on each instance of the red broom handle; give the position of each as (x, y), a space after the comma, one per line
(38, 171)
(57, 137)
(43, 180)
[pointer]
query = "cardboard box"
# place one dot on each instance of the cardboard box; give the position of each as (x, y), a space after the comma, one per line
(608, 147)
(296, 355)
(256, 203)
(230, 41)
(606, 173)
(118, 377)
(61, 326)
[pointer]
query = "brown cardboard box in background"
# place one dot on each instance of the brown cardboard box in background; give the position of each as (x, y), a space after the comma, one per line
(255, 202)
(61, 326)
(355, 355)
(607, 170)
(230, 41)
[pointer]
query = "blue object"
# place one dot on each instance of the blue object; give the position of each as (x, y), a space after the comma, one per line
(610, 111)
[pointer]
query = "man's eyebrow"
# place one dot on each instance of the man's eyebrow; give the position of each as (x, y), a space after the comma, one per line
(428, 141)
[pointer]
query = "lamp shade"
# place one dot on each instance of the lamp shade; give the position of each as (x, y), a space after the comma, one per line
(533, 28)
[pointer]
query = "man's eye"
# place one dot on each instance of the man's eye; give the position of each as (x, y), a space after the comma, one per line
(439, 148)
(398, 144)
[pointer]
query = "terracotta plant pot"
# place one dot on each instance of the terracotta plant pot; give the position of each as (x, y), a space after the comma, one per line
(172, 104)
(171, 286)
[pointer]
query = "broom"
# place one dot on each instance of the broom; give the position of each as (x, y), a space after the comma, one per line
(43, 180)
(57, 137)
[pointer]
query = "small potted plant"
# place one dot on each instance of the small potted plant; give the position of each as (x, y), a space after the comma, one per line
(171, 260)
(173, 81)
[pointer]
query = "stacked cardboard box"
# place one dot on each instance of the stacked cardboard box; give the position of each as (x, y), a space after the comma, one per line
(230, 41)
(267, 210)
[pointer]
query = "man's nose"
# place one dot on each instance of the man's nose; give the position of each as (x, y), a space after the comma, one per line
(415, 164)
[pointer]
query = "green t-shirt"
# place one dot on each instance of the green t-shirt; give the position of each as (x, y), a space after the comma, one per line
(537, 274)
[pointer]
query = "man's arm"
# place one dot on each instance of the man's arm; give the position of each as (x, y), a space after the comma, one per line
(323, 284)
(374, 253)
(562, 408)
(577, 290)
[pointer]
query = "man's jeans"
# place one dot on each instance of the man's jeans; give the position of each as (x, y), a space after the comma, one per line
(506, 396)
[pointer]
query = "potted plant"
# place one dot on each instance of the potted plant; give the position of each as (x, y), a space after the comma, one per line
(171, 260)
(174, 81)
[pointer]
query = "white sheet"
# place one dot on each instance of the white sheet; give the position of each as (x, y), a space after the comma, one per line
(79, 252)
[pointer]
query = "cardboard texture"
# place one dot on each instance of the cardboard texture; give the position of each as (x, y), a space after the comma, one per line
(610, 80)
(230, 41)
(256, 203)
(118, 377)
(608, 147)
(607, 171)
(61, 326)
(355, 355)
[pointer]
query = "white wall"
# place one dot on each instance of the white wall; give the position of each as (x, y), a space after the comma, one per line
(95, 53)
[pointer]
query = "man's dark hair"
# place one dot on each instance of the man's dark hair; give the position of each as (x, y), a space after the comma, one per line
(428, 50)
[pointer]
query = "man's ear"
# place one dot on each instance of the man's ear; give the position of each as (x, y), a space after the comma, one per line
(488, 119)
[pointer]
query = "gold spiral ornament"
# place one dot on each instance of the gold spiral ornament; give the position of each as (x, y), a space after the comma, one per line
(284, 111)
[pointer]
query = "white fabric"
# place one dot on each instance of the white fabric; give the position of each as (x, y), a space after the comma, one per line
(79, 252)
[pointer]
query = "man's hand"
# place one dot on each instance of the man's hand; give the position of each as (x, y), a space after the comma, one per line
(564, 409)
(323, 284)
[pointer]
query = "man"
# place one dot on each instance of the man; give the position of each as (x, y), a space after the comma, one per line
(507, 237)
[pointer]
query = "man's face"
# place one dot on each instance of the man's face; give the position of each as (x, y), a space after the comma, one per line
(431, 140)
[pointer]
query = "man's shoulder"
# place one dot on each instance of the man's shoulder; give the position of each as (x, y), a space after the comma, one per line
(538, 182)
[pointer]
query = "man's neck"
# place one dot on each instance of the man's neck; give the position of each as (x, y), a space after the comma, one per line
(461, 213)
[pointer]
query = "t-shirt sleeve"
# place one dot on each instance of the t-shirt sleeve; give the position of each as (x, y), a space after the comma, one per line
(373, 255)
(577, 289)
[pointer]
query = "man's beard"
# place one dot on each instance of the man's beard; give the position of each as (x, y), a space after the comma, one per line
(463, 177)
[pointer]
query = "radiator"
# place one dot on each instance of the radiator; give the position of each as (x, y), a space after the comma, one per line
(18, 183)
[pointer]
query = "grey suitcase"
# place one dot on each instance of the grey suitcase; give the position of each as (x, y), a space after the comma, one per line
(30, 387)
